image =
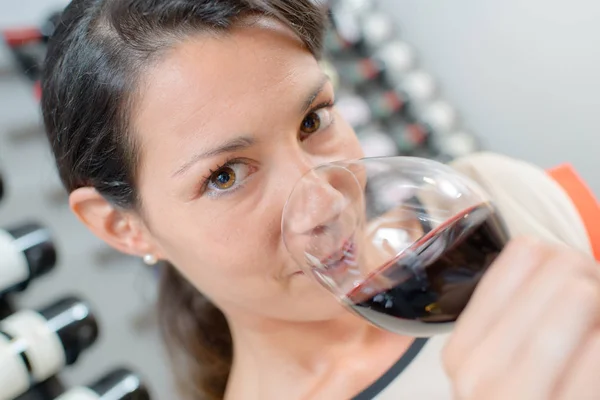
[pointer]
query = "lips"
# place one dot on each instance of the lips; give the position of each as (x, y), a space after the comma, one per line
(345, 256)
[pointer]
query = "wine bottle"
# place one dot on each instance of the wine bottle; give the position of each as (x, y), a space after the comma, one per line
(29, 58)
(376, 28)
(390, 64)
(36, 345)
(119, 384)
(355, 110)
(398, 59)
(357, 72)
(376, 143)
(26, 252)
(49, 26)
(17, 37)
(456, 144)
(419, 88)
(347, 35)
(440, 117)
(408, 134)
(385, 104)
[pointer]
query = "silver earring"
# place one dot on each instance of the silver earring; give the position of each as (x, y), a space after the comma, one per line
(150, 259)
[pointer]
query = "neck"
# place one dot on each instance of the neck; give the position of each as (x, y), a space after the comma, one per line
(274, 356)
(313, 346)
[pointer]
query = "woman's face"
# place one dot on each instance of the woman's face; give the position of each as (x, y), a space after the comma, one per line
(227, 125)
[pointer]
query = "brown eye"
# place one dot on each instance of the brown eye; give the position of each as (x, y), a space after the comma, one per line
(311, 123)
(224, 178)
(315, 121)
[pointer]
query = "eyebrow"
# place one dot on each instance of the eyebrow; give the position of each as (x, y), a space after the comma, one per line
(244, 142)
(230, 146)
(314, 94)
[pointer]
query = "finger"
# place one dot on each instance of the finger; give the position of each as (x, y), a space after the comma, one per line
(562, 331)
(498, 349)
(582, 379)
(499, 284)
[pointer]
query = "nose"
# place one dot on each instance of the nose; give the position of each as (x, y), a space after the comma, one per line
(316, 202)
(322, 213)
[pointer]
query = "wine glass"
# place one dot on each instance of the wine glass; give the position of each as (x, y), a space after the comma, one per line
(400, 241)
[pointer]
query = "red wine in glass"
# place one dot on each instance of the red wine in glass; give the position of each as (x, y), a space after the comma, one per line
(431, 282)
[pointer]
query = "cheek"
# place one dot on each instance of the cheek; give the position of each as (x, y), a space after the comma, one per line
(232, 248)
(219, 246)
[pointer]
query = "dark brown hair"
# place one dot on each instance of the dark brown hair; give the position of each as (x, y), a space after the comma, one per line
(95, 61)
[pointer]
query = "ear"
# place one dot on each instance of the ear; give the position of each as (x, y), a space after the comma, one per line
(123, 230)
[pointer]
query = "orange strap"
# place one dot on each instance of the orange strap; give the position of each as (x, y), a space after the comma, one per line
(583, 199)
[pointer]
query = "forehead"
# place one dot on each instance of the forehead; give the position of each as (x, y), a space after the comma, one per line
(216, 84)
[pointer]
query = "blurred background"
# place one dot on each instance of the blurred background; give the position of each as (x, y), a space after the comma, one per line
(428, 78)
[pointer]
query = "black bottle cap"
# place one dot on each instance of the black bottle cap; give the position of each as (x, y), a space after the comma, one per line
(121, 384)
(74, 323)
(36, 243)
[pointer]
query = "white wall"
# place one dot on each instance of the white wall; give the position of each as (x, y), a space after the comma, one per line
(524, 74)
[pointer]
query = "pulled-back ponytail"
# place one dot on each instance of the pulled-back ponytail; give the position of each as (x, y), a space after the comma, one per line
(197, 336)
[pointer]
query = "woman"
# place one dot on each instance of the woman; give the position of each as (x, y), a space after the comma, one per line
(179, 127)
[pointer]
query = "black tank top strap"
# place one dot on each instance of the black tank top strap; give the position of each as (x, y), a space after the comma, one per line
(391, 374)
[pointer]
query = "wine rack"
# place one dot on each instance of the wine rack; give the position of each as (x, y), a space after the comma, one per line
(394, 105)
